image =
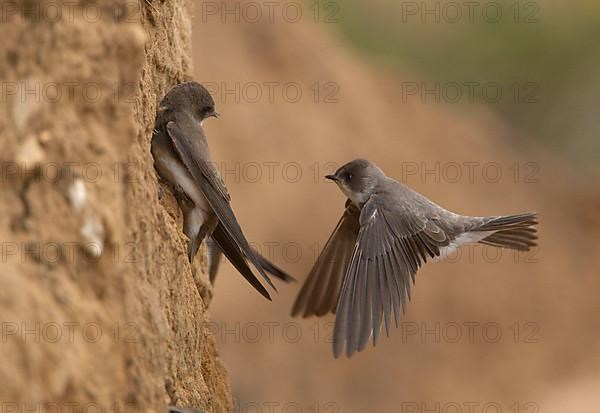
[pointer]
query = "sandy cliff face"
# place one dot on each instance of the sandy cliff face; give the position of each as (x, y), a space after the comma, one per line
(98, 302)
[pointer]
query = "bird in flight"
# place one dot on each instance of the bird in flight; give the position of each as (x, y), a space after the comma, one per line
(386, 233)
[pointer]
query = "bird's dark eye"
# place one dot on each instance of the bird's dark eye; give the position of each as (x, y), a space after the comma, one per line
(349, 177)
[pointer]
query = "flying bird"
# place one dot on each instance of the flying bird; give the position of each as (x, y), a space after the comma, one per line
(386, 233)
(182, 159)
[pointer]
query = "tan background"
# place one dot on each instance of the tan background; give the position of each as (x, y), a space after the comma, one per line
(557, 292)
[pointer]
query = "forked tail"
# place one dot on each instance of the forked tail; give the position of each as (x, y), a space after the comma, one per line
(516, 232)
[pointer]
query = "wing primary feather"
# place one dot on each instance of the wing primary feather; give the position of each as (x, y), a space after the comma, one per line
(366, 303)
(402, 276)
(391, 275)
(385, 293)
(354, 322)
(338, 273)
(321, 291)
(324, 276)
(343, 311)
(214, 192)
(377, 305)
(234, 255)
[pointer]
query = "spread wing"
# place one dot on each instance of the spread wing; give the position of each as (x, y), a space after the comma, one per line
(319, 294)
(392, 243)
(189, 151)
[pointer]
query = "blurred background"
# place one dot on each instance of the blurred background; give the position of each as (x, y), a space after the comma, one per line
(487, 108)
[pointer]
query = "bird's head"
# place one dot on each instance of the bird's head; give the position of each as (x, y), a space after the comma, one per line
(357, 179)
(192, 96)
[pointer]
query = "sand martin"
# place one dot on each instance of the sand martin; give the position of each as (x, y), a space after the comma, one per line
(386, 233)
(182, 159)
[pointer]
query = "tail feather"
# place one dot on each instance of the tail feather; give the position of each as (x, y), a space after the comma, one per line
(214, 259)
(513, 231)
(273, 269)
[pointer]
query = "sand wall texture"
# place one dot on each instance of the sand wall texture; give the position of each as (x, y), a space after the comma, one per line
(98, 302)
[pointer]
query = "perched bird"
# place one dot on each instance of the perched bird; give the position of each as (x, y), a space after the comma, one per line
(182, 159)
(386, 233)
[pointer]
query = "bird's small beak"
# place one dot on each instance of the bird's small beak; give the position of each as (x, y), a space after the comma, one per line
(216, 114)
(332, 178)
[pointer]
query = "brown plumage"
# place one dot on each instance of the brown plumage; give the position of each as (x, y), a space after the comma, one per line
(387, 232)
(182, 159)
